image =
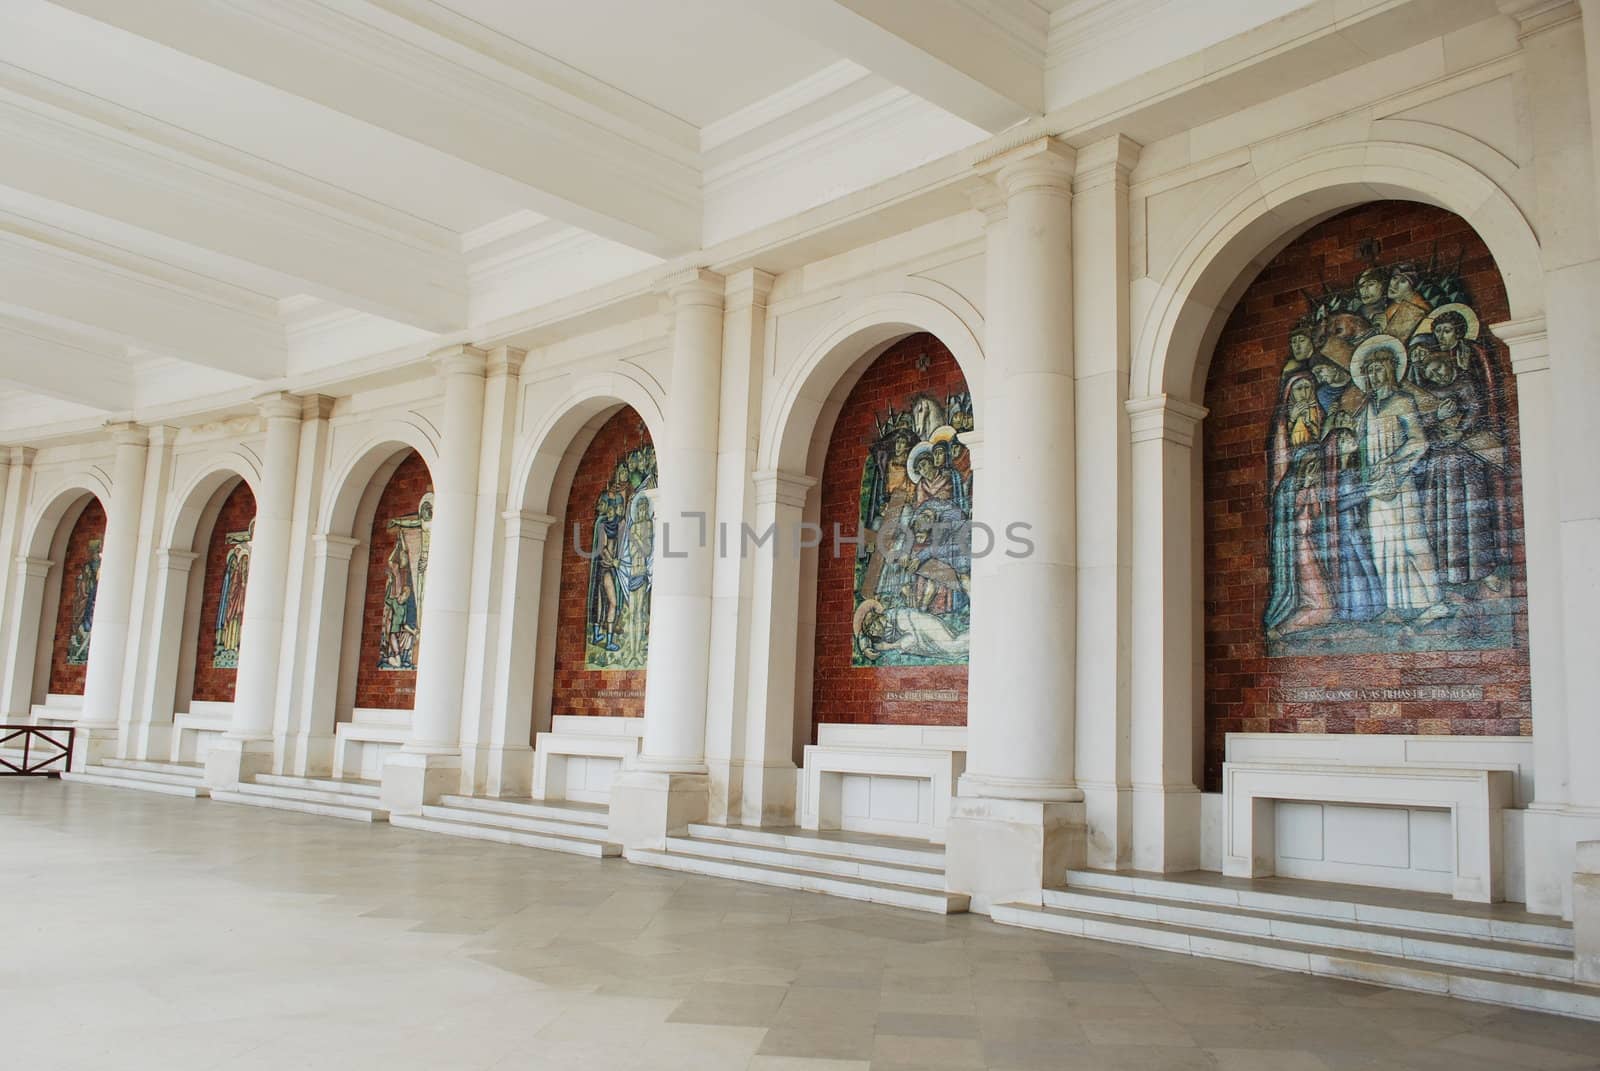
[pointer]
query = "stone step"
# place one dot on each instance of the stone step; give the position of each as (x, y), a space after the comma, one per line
(344, 787)
(920, 877)
(148, 773)
(285, 800)
(451, 823)
(874, 849)
(1535, 994)
(192, 791)
(1346, 904)
(1453, 950)
(176, 769)
(877, 892)
(520, 823)
(310, 795)
(576, 814)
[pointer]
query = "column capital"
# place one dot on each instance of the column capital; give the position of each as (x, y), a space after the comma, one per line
(174, 560)
(460, 360)
(316, 406)
(338, 547)
(278, 405)
(748, 287)
(36, 567)
(1107, 161)
(693, 286)
(505, 361)
(1040, 164)
(525, 524)
(23, 455)
(784, 488)
(1162, 416)
(1528, 341)
(128, 433)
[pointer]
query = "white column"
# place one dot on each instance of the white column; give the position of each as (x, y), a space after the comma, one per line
(1166, 803)
(19, 657)
(323, 632)
(108, 642)
(297, 748)
(769, 774)
(246, 749)
(1019, 823)
(1100, 277)
(429, 764)
(738, 431)
(152, 723)
(1568, 220)
(22, 638)
(669, 787)
(511, 700)
(482, 751)
(141, 729)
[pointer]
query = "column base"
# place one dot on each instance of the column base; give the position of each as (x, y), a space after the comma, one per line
(509, 771)
(235, 759)
(769, 794)
(1586, 912)
(1108, 813)
(1166, 828)
(1551, 834)
(648, 806)
(412, 780)
(1001, 851)
(92, 743)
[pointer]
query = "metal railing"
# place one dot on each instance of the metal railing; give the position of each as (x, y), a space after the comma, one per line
(44, 752)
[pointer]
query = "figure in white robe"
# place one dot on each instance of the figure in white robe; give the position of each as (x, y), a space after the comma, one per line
(1393, 444)
(908, 631)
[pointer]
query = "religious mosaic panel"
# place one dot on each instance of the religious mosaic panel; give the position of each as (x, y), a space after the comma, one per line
(621, 552)
(913, 578)
(229, 621)
(405, 575)
(85, 584)
(1388, 462)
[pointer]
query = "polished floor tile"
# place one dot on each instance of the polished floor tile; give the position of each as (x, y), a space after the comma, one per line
(176, 934)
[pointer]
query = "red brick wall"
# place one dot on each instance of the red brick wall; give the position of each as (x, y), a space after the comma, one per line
(213, 684)
(843, 692)
(577, 690)
(1251, 688)
(91, 526)
(391, 689)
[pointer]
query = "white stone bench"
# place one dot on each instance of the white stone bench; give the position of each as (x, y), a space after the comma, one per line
(1421, 827)
(578, 758)
(196, 729)
(361, 744)
(892, 779)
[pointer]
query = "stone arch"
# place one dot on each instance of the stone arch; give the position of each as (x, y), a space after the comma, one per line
(39, 576)
(1179, 329)
(536, 533)
(807, 396)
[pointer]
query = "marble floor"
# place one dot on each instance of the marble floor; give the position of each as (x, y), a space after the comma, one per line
(141, 931)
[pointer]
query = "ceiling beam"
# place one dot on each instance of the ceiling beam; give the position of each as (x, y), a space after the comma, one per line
(576, 160)
(949, 52)
(38, 359)
(77, 150)
(143, 304)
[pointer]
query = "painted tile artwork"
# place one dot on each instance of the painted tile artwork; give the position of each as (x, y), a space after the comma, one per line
(404, 584)
(84, 587)
(230, 608)
(1387, 466)
(621, 553)
(913, 575)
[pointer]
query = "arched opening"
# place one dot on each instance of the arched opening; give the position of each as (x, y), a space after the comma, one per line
(893, 612)
(67, 613)
(382, 643)
(1362, 523)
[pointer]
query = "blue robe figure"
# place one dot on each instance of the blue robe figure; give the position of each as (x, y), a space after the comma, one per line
(1358, 593)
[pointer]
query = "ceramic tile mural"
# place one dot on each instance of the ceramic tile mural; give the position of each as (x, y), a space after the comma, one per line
(621, 552)
(229, 622)
(404, 584)
(1387, 461)
(85, 584)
